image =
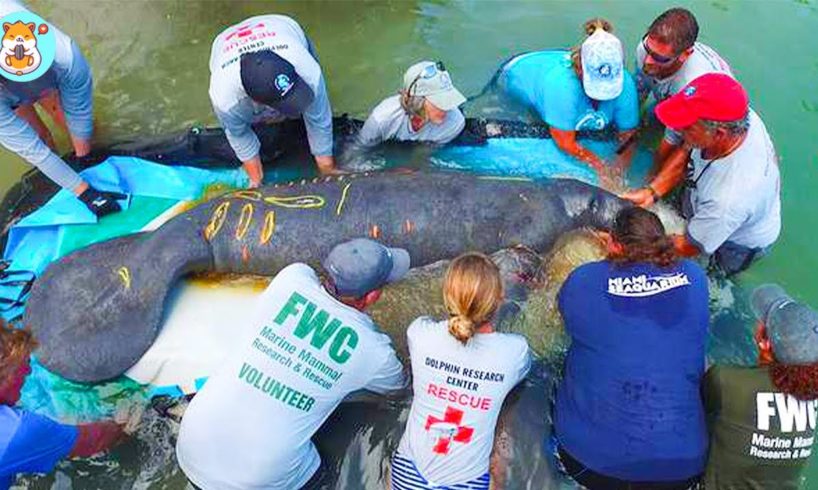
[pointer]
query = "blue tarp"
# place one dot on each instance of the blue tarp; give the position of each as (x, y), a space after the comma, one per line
(35, 240)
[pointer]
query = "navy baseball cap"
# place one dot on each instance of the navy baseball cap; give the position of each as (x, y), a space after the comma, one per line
(363, 265)
(271, 80)
(791, 326)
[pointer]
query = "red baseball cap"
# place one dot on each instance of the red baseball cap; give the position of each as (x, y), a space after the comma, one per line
(713, 96)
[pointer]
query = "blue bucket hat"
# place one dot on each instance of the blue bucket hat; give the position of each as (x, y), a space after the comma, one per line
(271, 80)
(363, 265)
(791, 326)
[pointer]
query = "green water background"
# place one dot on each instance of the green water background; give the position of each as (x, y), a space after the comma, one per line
(149, 60)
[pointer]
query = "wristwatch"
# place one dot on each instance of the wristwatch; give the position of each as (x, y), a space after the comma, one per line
(653, 192)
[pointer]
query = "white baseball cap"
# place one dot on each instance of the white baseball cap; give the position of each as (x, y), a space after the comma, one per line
(431, 80)
(602, 65)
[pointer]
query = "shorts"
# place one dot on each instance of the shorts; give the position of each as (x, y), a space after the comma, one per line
(732, 258)
(405, 476)
(592, 480)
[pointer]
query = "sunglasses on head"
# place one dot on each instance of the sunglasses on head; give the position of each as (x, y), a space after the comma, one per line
(658, 58)
(430, 71)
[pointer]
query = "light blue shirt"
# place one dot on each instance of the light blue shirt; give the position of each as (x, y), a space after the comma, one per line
(71, 76)
(546, 81)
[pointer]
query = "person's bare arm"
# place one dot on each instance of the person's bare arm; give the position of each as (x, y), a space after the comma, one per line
(254, 170)
(671, 175)
(662, 153)
(326, 164)
(567, 142)
(96, 437)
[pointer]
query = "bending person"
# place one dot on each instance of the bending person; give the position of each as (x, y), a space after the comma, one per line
(31, 443)
(426, 109)
(731, 193)
(63, 91)
(462, 372)
(312, 345)
(668, 58)
(762, 419)
(586, 88)
(628, 413)
(265, 69)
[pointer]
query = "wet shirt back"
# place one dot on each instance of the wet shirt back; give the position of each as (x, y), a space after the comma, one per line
(760, 437)
(31, 443)
(629, 405)
(458, 392)
(234, 108)
(250, 425)
(546, 81)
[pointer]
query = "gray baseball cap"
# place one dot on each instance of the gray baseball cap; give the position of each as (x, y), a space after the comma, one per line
(791, 326)
(363, 265)
(431, 80)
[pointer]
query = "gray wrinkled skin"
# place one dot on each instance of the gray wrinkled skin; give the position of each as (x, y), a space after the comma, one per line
(96, 311)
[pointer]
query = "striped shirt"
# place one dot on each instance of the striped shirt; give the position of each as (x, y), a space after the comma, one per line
(405, 476)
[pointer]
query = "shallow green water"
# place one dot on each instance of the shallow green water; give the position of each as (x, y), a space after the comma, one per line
(150, 66)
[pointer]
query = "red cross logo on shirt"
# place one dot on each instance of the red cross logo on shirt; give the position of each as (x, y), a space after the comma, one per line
(448, 429)
(243, 30)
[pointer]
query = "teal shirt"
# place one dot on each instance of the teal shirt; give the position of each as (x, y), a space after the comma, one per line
(546, 81)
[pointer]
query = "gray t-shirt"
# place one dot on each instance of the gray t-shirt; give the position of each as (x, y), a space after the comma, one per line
(234, 108)
(736, 198)
(389, 121)
(703, 60)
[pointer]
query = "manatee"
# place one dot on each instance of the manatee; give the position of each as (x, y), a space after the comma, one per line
(97, 310)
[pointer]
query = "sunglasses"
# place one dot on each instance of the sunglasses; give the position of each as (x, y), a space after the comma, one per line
(658, 58)
(430, 71)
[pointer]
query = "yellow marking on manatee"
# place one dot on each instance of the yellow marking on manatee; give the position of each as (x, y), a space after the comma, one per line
(125, 275)
(269, 227)
(498, 177)
(343, 199)
(216, 220)
(296, 202)
(245, 219)
(249, 195)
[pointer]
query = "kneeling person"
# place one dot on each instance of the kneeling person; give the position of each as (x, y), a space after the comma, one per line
(250, 426)
(762, 419)
(428, 96)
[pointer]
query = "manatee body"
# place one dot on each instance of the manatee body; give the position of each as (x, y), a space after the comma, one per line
(97, 310)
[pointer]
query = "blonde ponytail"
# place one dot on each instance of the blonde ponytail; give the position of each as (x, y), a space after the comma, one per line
(472, 292)
(461, 328)
(589, 27)
(592, 25)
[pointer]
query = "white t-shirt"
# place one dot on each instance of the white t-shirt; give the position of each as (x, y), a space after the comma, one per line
(458, 392)
(234, 108)
(250, 425)
(737, 197)
(389, 121)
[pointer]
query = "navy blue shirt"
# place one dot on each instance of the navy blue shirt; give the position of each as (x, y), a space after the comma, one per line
(629, 405)
(31, 443)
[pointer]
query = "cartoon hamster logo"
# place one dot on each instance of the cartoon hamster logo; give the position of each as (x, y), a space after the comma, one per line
(28, 47)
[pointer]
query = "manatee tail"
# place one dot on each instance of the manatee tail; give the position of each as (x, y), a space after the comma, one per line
(97, 310)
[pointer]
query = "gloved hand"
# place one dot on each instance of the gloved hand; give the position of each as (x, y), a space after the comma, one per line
(101, 202)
